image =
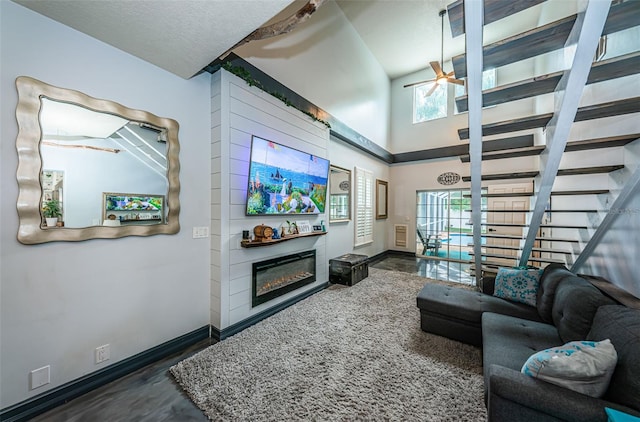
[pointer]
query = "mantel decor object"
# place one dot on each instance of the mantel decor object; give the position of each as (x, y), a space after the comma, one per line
(262, 233)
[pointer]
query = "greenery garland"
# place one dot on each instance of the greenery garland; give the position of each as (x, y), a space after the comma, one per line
(244, 74)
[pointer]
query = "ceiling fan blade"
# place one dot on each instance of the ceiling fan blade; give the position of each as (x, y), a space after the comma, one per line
(450, 73)
(455, 81)
(436, 68)
(433, 88)
(417, 83)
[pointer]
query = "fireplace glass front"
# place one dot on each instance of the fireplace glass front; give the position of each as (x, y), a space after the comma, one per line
(278, 276)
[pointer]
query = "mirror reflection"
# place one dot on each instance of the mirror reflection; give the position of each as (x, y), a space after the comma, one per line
(99, 153)
(92, 168)
(339, 194)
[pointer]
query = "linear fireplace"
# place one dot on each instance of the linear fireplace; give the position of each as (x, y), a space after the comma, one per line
(278, 276)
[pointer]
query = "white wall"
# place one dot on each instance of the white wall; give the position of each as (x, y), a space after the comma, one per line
(238, 112)
(61, 300)
(326, 61)
(407, 136)
(341, 235)
(614, 257)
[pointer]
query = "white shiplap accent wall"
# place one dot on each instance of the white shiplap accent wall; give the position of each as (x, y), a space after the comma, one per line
(216, 197)
(238, 112)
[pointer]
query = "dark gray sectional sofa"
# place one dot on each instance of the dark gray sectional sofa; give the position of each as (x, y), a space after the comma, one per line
(568, 308)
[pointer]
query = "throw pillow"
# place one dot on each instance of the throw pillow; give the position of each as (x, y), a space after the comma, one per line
(582, 366)
(518, 284)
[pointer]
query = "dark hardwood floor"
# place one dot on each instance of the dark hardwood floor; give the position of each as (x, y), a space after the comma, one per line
(151, 394)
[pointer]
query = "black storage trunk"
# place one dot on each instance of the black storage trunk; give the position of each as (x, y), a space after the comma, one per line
(348, 269)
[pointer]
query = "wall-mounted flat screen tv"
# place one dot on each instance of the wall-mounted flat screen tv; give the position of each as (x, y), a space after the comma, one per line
(283, 180)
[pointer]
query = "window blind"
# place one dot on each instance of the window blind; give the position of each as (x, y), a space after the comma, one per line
(363, 206)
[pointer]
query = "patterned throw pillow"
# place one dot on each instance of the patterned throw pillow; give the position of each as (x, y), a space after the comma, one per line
(518, 284)
(582, 366)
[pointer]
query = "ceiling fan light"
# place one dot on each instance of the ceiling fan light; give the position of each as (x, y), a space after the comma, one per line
(441, 81)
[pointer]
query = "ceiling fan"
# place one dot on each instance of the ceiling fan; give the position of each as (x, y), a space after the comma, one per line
(441, 77)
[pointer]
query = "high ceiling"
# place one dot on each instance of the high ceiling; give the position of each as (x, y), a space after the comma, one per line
(184, 36)
(181, 36)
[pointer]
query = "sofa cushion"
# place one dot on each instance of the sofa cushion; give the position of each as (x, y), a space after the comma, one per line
(468, 305)
(575, 304)
(549, 280)
(622, 326)
(518, 284)
(582, 366)
(509, 341)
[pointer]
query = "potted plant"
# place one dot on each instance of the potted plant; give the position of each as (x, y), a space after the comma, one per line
(51, 211)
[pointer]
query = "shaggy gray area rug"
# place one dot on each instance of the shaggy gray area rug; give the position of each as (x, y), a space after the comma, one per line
(346, 353)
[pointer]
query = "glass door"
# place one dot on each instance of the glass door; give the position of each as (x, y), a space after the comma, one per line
(444, 231)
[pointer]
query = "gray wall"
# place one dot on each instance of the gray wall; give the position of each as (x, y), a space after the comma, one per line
(59, 301)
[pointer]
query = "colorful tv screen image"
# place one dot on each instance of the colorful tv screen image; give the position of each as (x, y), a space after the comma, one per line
(283, 180)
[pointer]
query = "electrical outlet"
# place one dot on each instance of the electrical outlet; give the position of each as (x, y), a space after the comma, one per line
(200, 232)
(40, 377)
(102, 353)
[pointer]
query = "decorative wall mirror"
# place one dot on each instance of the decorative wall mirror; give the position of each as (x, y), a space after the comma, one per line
(73, 150)
(339, 194)
(381, 199)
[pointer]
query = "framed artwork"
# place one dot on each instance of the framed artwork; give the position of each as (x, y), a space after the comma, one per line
(381, 199)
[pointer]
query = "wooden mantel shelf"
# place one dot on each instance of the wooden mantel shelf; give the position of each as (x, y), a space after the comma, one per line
(253, 244)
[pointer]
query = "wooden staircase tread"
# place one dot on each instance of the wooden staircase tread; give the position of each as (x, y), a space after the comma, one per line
(502, 195)
(561, 172)
(537, 41)
(556, 193)
(547, 260)
(582, 145)
(510, 142)
(590, 170)
(517, 248)
(551, 250)
(495, 255)
(493, 10)
(545, 226)
(545, 39)
(608, 142)
(579, 192)
(493, 265)
(528, 211)
(531, 259)
(514, 237)
(507, 153)
(596, 111)
(616, 67)
(562, 226)
(503, 176)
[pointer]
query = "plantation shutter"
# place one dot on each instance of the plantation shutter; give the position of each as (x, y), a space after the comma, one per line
(364, 207)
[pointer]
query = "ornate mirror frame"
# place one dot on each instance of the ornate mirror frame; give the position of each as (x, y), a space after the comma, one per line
(31, 231)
